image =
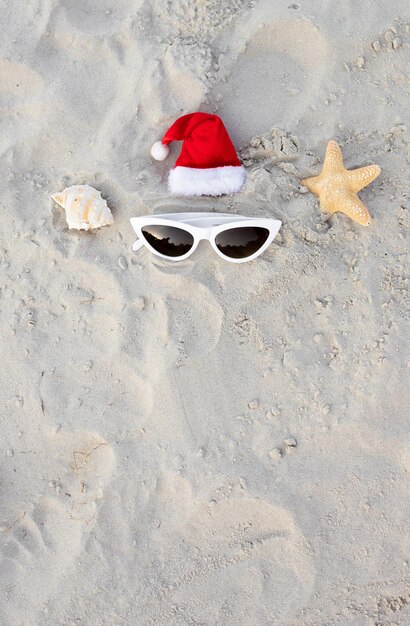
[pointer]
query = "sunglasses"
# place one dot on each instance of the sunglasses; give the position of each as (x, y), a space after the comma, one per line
(174, 236)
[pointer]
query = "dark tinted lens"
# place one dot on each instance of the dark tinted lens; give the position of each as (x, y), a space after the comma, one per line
(168, 240)
(239, 243)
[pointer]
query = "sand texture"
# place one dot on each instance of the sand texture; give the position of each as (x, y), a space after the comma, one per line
(203, 443)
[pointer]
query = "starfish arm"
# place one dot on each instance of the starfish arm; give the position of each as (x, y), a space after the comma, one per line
(362, 176)
(333, 159)
(326, 204)
(312, 183)
(353, 207)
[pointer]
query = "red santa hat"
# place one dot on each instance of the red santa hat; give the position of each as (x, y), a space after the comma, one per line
(208, 164)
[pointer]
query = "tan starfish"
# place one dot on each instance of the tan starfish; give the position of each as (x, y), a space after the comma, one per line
(337, 187)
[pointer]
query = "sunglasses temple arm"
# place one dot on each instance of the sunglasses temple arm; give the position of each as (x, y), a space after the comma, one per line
(137, 245)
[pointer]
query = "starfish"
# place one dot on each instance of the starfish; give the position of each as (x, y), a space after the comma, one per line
(337, 187)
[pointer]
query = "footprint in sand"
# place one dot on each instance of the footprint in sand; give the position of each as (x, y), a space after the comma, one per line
(195, 320)
(86, 313)
(223, 562)
(41, 539)
(181, 316)
(23, 89)
(100, 19)
(288, 58)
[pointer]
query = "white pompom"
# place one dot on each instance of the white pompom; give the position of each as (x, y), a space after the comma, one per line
(159, 151)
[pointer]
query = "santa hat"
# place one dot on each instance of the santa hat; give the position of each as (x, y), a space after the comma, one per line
(208, 164)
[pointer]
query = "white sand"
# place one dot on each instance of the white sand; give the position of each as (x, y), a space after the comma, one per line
(203, 443)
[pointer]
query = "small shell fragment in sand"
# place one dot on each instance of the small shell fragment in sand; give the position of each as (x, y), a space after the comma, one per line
(122, 262)
(275, 454)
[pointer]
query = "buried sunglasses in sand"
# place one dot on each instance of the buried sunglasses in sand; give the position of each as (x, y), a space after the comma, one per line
(174, 236)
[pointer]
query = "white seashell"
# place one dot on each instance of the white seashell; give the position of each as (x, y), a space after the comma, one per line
(84, 207)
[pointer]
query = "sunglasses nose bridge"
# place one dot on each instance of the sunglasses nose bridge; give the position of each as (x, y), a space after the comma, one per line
(204, 233)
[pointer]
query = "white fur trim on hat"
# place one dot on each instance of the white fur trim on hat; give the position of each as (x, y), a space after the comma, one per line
(213, 181)
(159, 151)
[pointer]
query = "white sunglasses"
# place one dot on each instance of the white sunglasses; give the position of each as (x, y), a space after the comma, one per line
(174, 236)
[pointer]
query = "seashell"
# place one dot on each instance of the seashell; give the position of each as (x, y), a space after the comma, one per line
(84, 207)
